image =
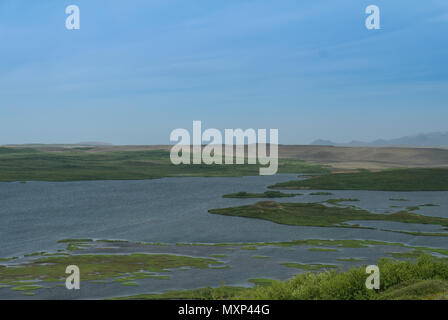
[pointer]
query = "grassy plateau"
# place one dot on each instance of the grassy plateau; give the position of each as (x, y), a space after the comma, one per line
(27, 164)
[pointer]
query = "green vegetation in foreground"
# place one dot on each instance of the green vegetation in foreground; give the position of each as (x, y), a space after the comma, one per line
(267, 194)
(428, 179)
(319, 215)
(309, 267)
(76, 165)
(100, 267)
(221, 293)
(425, 278)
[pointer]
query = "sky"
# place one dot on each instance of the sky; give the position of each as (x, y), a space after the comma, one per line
(138, 69)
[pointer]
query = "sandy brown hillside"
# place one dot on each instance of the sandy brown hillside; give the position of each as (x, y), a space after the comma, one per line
(368, 157)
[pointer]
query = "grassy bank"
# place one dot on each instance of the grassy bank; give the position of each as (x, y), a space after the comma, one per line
(28, 164)
(388, 180)
(319, 215)
(425, 278)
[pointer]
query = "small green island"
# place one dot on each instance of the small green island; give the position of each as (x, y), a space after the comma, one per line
(320, 215)
(266, 194)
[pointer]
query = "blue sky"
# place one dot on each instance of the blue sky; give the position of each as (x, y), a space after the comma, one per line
(138, 69)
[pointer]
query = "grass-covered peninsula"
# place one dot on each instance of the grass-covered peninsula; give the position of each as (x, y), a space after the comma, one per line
(319, 215)
(425, 179)
(266, 194)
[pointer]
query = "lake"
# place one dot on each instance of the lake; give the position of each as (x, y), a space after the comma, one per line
(35, 215)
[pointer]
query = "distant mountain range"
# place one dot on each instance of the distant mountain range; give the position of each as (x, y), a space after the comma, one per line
(434, 139)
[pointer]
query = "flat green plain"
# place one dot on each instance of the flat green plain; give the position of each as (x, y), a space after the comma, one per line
(27, 164)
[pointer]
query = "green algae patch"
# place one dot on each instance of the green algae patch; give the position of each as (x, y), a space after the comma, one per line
(29, 294)
(26, 288)
(98, 267)
(221, 267)
(132, 284)
(34, 254)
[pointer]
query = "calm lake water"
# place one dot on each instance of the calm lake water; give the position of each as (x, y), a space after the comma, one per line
(35, 215)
